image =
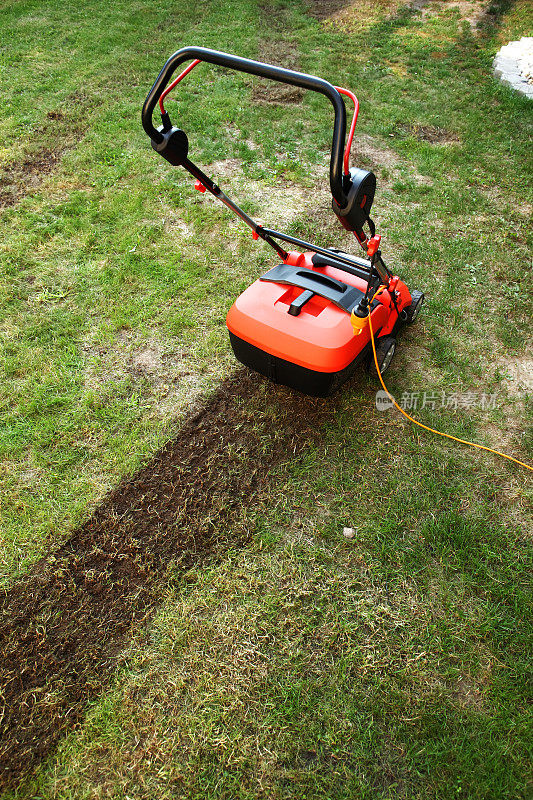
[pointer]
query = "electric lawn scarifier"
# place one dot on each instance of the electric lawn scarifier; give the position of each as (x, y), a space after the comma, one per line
(305, 322)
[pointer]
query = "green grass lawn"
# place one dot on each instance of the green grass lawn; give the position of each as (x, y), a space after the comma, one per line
(393, 664)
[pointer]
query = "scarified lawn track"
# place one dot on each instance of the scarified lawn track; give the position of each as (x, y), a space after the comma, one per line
(63, 623)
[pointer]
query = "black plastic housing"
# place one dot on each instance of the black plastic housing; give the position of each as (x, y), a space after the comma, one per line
(174, 145)
(307, 381)
(361, 191)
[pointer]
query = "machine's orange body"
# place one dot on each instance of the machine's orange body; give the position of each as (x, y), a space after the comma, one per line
(304, 323)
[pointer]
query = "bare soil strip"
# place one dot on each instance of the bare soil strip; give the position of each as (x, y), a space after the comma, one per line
(63, 623)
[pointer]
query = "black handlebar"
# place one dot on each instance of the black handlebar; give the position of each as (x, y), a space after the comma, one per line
(264, 71)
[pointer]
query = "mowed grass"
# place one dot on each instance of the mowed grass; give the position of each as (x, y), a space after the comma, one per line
(391, 664)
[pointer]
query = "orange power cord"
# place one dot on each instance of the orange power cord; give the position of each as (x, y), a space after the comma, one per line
(432, 430)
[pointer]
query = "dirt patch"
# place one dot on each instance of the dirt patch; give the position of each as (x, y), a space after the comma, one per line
(277, 93)
(499, 196)
(279, 204)
(472, 11)
(428, 133)
(417, 5)
(370, 154)
(226, 168)
(358, 16)
(468, 693)
(324, 9)
(176, 225)
(20, 178)
(148, 361)
(366, 150)
(282, 54)
(279, 51)
(169, 379)
(62, 625)
(518, 375)
(524, 209)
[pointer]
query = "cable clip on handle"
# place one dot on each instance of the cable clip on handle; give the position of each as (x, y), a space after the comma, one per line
(372, 246)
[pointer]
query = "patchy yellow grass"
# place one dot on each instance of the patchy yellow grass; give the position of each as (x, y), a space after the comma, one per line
(470, 11)
(360, 15)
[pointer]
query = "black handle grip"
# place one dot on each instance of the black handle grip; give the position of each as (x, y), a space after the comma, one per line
(264, 71)
(321, 280)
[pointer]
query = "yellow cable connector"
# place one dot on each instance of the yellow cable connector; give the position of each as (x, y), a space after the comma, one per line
(432, 430)
(358, 323)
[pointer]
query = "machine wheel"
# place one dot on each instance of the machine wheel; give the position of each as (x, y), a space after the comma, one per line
(385, 349)
(412, 311)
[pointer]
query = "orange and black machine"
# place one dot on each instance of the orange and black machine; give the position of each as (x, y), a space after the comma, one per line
(304, 323)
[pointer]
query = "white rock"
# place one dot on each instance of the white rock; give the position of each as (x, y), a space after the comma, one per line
(513, 65)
